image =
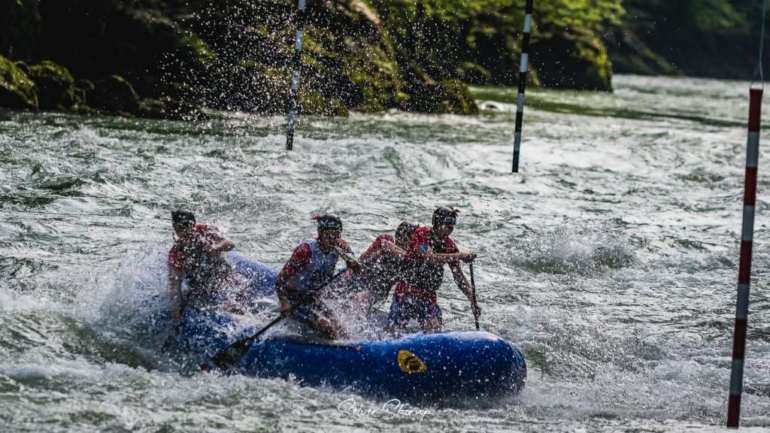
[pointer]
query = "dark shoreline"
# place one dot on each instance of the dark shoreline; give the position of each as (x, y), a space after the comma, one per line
(172, 59)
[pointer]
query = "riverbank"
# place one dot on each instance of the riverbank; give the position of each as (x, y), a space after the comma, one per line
(173, 58)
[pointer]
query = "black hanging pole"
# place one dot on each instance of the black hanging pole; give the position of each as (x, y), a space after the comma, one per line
(295, 75)
(522, 84)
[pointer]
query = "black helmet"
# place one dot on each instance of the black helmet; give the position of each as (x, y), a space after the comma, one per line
(182, 218)
(445, 215)
(330, 222)
(405, 230)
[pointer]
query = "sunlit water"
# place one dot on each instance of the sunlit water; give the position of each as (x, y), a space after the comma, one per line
(610, 259)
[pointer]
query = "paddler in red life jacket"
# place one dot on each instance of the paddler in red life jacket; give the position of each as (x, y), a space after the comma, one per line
(197, 257)
(428, 251)
(311, 265)
(382, 266)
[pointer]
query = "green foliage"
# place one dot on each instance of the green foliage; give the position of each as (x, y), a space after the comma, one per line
(17, 90)
(316, 103)
(115, 95)
(479, 41)
(366, 55)
(713, 38)
(717, 16)
(56, 87)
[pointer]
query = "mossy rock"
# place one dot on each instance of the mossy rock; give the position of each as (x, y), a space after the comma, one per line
(17, 90)
(630, 55)
(56, 87)
(115, 95)
(194, 50)
(23, 67)
(316, 103)
(254, 87)
(579, 63)
(86, 85)
(169, 109)
(446, 97)
(348, 60)
(152, 108)
(474, 74)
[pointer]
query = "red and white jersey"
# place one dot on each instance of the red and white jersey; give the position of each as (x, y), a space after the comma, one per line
(308, 267)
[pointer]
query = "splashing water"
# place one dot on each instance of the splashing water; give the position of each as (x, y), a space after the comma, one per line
(610, 260)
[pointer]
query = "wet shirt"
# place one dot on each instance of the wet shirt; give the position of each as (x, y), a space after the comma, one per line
(379, 267)
(308, 267)
(423, 279)
(205, 274)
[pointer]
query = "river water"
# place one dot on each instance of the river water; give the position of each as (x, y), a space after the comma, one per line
(610, 260)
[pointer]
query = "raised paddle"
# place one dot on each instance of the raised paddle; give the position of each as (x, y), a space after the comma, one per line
(473, 294)
(228, 357)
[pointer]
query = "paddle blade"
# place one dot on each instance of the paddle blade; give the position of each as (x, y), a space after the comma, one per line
(473, 293)
(228, 357)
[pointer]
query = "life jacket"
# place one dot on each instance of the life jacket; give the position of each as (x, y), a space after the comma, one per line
(424, 275)
(381, 271)
(318, 271)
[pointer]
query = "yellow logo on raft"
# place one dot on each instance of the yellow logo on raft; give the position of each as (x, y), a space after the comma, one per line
(408, 362)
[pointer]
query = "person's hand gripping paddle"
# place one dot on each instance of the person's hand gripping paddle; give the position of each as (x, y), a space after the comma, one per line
(230, 356)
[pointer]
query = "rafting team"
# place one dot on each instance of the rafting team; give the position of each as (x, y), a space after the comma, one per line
(412, 262)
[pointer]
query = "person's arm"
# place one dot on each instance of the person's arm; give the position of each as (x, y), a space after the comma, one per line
(216, 243)
(298, 260)
(350, 261)
(393, 251)
(443, 258)
(420, 248)
(462, 283)
(280, 288)
(219, 247)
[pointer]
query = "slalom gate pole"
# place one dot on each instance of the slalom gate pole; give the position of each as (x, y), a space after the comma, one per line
(747, 238)
(295, 75)
(522, 84)
(744, 268)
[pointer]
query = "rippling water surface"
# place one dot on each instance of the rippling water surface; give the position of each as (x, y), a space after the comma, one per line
(610, 260)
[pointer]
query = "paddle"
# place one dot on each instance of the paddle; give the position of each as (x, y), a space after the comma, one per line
(228, 357)
(172, 333)
(473, 294)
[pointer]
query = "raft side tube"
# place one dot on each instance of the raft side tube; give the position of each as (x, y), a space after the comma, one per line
(416, 367)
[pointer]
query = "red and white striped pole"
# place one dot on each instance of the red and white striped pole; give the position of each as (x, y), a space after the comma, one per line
(744, 268)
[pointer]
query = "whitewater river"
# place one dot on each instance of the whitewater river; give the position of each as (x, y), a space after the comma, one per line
(610, 260)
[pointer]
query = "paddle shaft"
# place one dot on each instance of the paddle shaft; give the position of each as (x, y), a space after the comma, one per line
(228, 357)
(473, 295)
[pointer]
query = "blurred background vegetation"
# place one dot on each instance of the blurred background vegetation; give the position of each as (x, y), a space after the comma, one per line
(170, 58)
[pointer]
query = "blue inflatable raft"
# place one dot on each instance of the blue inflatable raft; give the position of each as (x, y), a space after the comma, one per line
(448, 364)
